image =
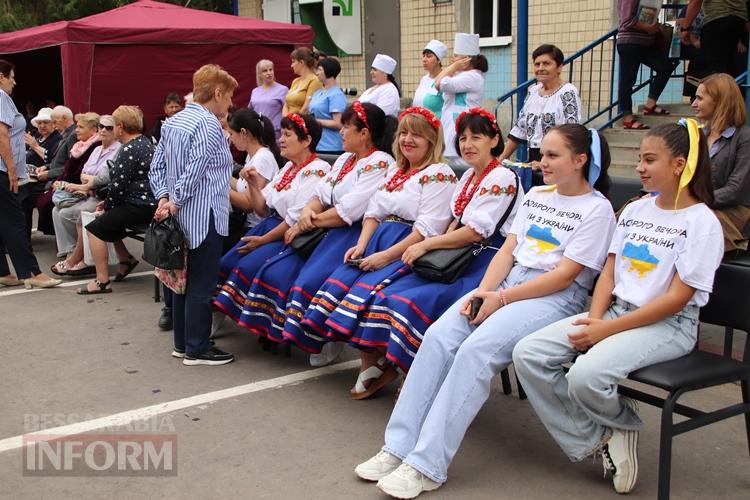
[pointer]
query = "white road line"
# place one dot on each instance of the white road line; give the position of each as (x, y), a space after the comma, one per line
(147, 412)
(64, 284)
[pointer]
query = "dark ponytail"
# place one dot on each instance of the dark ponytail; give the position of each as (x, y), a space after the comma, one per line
(382, 127)
(392, 79)
(677, 140)
(578, 138)
(259, 126)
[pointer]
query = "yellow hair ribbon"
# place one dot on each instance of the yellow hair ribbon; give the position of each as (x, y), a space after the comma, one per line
(692, 159)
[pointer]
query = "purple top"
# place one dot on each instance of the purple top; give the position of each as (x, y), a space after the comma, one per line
(269, 102)
(99, 157)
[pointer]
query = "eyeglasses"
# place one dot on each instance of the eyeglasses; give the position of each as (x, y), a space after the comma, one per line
(108, 128)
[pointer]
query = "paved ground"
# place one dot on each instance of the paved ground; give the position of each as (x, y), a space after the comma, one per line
(79, 359)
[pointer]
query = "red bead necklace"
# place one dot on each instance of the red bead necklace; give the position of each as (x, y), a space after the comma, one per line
(292, 173)
(399, 178)
(464, 198)
(349, 165)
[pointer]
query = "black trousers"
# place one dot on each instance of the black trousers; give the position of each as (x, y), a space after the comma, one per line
(719, 41)
(13, 238)
(631, 58)
(191, 312)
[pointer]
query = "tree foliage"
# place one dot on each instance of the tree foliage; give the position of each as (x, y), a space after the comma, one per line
(19, 14)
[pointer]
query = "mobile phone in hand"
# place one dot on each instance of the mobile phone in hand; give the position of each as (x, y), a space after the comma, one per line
(476, 304)
(354, 262)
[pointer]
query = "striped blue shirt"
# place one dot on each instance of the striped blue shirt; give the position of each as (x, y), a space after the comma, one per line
(16, 124)
(192, 165)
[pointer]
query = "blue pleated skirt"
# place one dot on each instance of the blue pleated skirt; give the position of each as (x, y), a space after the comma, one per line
(237, 270)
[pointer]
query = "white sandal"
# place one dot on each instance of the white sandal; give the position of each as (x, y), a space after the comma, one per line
(381, 375)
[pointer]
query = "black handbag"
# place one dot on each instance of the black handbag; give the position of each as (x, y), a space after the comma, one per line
(446, 265)
(164, 244)
(306, 243)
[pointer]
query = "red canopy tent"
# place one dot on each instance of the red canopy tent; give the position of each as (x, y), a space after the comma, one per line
(138, 53)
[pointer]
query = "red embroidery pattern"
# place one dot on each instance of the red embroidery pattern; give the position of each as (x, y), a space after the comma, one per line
(466, 195)
(288, 177)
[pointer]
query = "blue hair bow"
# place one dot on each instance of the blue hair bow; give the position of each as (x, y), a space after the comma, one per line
(595, 164)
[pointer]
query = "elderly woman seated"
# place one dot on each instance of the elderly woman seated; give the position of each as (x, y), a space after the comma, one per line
(128, 203)
(88, 139)
(66, 217)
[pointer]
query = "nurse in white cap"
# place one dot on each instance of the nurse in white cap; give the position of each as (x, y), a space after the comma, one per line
(384, 93)
(462, 85)
(426, 94)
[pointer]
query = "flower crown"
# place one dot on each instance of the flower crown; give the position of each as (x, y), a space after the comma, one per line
(481, 112)
(360, 111)
(426, 113)
(299, 121)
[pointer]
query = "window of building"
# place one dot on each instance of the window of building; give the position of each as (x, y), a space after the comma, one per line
(491, 19)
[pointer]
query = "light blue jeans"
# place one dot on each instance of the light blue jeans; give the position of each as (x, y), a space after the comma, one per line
(579, 409)
(449, 380)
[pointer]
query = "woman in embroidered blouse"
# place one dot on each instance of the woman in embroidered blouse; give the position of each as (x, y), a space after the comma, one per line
(67, 220)
(487, 193)
(269, 96)
(549, 103)
(280, 203)
(303, 87)
(413, 204)
(720, 106)
(283, 287)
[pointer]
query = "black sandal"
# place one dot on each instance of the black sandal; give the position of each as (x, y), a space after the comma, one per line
(102, 288)
(129, 266)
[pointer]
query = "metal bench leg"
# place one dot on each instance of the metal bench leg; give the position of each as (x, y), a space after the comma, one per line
(521, 392)
(157, 290)
(665, 446)
(505, 378)
(746, 399)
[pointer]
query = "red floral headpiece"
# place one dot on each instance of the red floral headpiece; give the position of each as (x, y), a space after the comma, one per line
(433, 120)
(481, 112)
(299, 121)
(360, 111)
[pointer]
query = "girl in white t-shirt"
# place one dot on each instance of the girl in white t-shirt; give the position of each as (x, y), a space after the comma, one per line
(658, 273)
(253, 133)
(542, 273)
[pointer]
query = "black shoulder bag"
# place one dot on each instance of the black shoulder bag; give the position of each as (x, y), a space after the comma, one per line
(446, 265)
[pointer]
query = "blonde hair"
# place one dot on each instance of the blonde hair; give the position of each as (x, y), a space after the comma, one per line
(91, 119)
(262, 65)
(109, 118)
(730, 105)
(418, 125)
(207, 79)
(130, 117)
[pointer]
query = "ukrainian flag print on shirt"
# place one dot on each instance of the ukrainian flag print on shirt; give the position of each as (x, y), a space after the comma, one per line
(640, 259)
(542, 239)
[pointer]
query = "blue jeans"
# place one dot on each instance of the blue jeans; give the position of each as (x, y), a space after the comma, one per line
(579, 409)
(450, 377)
(191, 312)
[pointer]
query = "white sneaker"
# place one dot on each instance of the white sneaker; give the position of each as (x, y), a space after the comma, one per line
(329, 354)
(620, 455)
(406, 482)
(378, 466)
(217, 319)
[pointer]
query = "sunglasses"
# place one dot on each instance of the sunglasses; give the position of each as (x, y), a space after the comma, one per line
(108, 128)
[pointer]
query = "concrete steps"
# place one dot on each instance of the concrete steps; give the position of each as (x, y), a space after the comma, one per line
(625, 144)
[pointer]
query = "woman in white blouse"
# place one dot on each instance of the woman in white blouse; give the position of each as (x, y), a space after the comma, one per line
(412, 204)
(282, 289)
(549, 103)
(385, 92)
(426, 94)
(462, 85)
(280, 203)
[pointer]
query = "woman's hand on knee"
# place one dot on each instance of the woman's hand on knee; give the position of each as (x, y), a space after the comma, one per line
(593, 332)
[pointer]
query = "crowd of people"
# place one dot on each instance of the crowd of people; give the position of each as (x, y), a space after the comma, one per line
(299, 251)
